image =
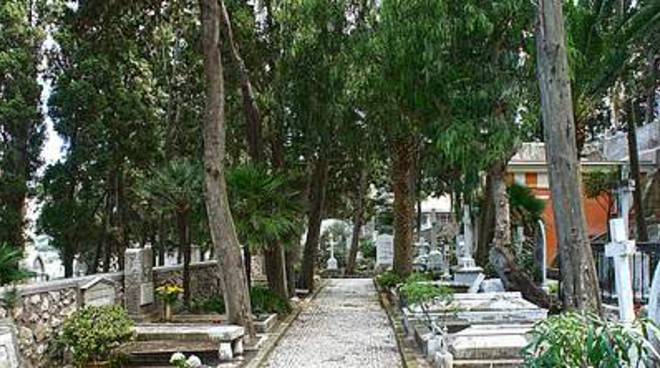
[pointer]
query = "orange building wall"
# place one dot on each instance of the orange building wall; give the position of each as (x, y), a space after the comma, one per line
(596, 217)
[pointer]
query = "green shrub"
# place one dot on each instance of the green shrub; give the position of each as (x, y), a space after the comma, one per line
(264, 301)
(368, 249)
(213, 304)
(585, 340)
(388, 279)
(92, 333)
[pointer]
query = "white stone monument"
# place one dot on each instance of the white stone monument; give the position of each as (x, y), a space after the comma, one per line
(331, 264)
(467, 271)
(621, 250)
(384, 250)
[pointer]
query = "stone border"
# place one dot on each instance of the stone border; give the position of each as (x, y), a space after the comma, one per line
(281, 330)
(409, 357)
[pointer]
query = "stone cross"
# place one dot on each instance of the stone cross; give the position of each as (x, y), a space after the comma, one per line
(622, 249)
(332, 261)
(624, 199)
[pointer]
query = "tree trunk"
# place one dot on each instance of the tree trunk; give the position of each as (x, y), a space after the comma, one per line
(316, 200)
(274, 263)
(486, 224)
(501, 256)
(221, 224)
(633, 154)
(650, 93)
(403, 179)
(579, 282)
(357, 223)
(252, 114)
(184, 246)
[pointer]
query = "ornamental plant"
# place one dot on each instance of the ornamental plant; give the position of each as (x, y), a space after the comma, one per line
(169, 293)
(179, 360)
(586, 340)
(91, 334)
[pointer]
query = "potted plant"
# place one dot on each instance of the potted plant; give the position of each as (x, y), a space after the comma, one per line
(169, 294)
(91, 334)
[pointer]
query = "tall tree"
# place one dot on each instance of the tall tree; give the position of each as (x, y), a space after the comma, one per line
(223, 232)
(21, 122)
(578, 272)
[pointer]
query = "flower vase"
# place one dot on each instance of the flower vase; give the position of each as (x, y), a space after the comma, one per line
(168, 312)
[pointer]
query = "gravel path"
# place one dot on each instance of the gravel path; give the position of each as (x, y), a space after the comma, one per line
(343, 327)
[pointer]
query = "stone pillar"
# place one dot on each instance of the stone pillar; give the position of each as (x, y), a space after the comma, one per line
(139, 282)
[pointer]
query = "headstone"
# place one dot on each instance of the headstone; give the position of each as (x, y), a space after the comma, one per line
(434, 228)
(138, 282)
(477, 283)
(9, 354)
(98, 292)
(622, 250)
(467, 271)
(195, 254)
(492, 286)
(436, 260)
(384, 250)
(420, 263)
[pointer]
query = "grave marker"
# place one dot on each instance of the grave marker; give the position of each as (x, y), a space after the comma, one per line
(384, 250)
(622, 249)
(98, 292)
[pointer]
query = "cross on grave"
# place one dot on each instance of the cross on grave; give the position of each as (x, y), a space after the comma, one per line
(332, 261)
(622, 249)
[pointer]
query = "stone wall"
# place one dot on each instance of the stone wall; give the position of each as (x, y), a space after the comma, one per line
(41, 308)
(203, 278)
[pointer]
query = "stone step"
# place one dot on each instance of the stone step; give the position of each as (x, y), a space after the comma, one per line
(499, 363)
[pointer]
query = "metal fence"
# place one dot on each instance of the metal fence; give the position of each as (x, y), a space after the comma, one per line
(643, 261)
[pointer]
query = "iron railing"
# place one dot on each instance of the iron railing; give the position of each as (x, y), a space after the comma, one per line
(644, 262)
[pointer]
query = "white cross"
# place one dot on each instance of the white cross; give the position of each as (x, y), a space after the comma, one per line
(621, 249)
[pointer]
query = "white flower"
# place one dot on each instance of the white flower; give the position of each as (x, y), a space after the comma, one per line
(193, 362)
(177, 357)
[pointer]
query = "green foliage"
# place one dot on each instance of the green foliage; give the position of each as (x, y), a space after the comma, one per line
(265, 206)
(585, 340)
(90, 334)
(264, 301)
(368, 249)
(388, 280)
(525, 206)
(175, 187)
(21, 121)
(10, 271)
(419, 292)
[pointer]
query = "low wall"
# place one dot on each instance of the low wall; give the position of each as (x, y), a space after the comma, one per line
(40, 309)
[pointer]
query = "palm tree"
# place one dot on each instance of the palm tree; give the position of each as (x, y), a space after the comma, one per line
(265, 210)
(177, 188)
(602, 35)
(10, 271)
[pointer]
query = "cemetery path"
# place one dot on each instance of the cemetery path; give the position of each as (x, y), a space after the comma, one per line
(343, 327)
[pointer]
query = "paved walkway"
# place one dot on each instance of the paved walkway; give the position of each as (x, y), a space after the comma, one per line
(344, 327)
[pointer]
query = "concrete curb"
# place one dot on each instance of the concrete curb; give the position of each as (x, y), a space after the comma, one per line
(264, 353)
(408, 355)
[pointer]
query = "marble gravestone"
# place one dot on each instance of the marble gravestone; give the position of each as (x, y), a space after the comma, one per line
(9, 356)
(98, 292)
(384, 250)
